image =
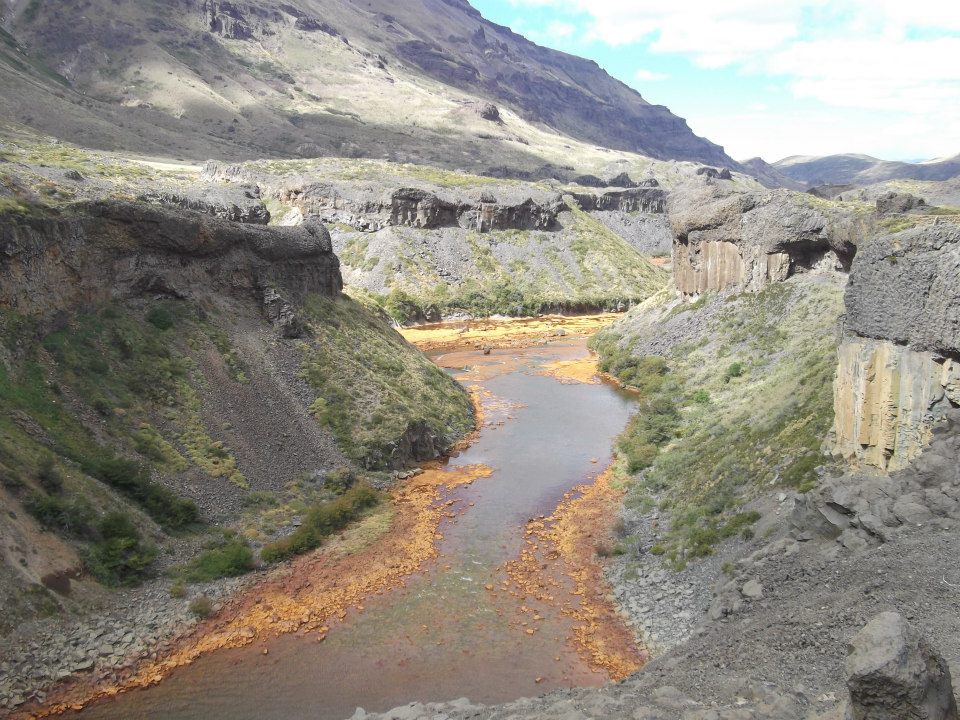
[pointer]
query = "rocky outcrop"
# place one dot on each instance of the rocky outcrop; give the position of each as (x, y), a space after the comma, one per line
(899, 363)
(861, 509)
(905, 288)
(894, 674)
(887, 398)
(725, 238)
(226, 20)
(104, 251)
(646, 199)
(237, 203)
(894, 202)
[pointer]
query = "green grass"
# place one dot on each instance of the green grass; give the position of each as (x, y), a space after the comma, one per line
(226, 557)
(321, 521)
(746, 407)
(372, 387)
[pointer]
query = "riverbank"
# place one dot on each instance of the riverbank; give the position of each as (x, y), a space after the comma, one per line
(309, 597)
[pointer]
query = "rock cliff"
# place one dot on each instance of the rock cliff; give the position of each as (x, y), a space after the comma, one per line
(729, 238)
(898, 370)
(105, 251)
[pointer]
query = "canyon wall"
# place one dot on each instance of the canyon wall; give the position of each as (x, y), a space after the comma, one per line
(114, 250)
(898, 373)
(727, 238)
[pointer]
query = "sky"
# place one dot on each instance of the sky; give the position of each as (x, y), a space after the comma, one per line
(774, 78)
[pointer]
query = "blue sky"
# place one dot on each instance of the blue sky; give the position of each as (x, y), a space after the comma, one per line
(760, 77)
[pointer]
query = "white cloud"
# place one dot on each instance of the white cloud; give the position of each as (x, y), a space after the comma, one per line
(643, 75)
(887, 56)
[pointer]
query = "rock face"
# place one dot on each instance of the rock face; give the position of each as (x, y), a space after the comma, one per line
(895, 675)
(103, 251)
(862, 509)
(237, 203)
(725, 238)
(646, 200)
(905, 288)
(887, 398)
(894, 202)
(899, 364)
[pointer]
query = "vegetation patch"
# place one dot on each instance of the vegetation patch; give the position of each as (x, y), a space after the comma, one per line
(226, 557)
(745, 409)
(321, 521)
(373, 388)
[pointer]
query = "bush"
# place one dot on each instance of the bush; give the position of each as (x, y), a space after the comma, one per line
(160, 318)
(202, 607)
(133, 479)
(73, 517)
(49, 477)
(229, 557)
(734, 370)
(178, 590)
(321, 521)
(119, 557)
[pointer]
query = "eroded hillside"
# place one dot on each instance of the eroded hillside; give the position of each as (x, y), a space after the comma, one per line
(178, 391)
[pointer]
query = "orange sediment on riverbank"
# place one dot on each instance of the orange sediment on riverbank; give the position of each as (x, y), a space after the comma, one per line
(312, 591)
(566, 542)
(581, 370)
(504, 332)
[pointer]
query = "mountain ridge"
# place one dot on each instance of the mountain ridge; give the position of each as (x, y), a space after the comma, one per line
(308, 78)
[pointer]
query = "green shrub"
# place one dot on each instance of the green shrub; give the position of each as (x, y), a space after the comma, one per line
(734, 370)
(321, 521)
(201, 606)
(133, 479)
(229, 557)
(178, 590)
(119, 557)
(49, 477)
(161, 318)
(73, 517)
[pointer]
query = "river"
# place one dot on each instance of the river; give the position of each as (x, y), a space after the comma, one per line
(459, 628)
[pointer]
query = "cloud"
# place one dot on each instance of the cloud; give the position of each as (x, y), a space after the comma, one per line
(649, 76)
(869, 54)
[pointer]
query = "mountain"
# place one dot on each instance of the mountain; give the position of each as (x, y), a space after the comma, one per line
(850, 169)
(426, 80)
(768, 175)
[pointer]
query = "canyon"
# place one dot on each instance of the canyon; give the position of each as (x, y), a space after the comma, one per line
(358, 356)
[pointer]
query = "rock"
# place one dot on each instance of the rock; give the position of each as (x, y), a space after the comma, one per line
(230, 201)
(74, 175)
(893, 674)
(115, 250)
(752, 590)
(894, 202)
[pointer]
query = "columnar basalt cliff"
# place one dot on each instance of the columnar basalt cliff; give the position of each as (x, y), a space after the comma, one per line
(727, 238)
(898, 371)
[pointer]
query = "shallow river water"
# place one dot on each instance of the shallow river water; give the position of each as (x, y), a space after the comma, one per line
(443, 635)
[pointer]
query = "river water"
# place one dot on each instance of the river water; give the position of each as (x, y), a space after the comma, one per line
(444, 635)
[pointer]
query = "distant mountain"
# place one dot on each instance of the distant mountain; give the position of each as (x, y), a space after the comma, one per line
(768, 175)
(853, 169)
(421, 80)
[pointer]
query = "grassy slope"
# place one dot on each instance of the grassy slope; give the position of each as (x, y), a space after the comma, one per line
(585, 266)
(111, 402)
(743, 402)
(373, 386)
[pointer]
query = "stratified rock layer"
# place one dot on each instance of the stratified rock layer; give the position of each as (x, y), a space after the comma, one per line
(105, 251)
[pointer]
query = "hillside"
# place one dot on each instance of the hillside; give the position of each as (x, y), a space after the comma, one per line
(862, 169)
(429, 80)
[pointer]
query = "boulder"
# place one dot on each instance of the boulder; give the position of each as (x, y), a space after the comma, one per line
(893, 674)
(893, 202)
